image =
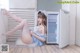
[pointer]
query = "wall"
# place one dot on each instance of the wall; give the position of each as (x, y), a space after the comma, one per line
(72, 9)
(50, 5)
(3, 27)
(72, 23)
(4, 4)
(78, 25)
(22, 3)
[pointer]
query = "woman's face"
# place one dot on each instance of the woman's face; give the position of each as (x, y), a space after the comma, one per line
(39, 19)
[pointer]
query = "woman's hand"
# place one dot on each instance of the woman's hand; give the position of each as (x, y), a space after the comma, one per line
(31, 32)
(38, 37)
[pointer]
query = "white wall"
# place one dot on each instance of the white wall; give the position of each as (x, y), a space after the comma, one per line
(4, 4)
(3, 27)
(72, 23)
(49, 5)
(78, 25)
(22, 3)
(72, 9)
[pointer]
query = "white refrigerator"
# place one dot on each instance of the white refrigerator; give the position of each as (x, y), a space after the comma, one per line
(58, 24)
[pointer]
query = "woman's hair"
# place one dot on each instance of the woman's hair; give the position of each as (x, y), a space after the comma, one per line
(44, 18)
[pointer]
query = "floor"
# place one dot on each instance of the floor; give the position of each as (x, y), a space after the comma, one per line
(45, 49)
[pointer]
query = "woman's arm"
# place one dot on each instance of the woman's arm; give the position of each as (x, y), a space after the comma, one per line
(7, 13)
(41, 39)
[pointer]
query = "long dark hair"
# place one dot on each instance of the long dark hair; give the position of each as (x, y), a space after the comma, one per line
(44, 18)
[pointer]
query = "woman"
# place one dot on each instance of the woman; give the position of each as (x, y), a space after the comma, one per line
(29, 36)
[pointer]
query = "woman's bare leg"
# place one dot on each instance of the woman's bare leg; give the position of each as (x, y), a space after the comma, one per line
(20, 26)
(26, 36)
(7, 13)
